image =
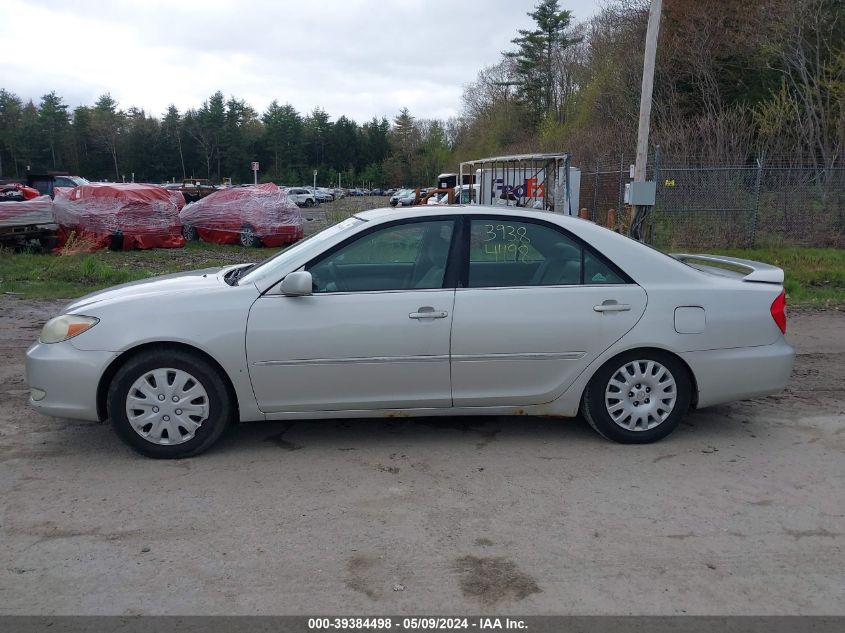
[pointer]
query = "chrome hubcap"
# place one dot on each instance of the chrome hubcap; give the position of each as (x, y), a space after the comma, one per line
(166, 406)
(640, 395)
(247, 237)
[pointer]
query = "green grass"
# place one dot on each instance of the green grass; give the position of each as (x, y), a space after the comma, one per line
(44, 276)
(814, 276)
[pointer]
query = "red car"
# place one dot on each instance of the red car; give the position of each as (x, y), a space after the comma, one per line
(16, 192)
(250, 216)
(120, 216)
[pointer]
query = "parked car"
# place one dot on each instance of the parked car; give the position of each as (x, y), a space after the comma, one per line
(120, 216)
(17, 192)
(46, 182)
(403, 198)
(441, 311)
(301, 196)
(321, 195)
(257, 215)
(328, 191)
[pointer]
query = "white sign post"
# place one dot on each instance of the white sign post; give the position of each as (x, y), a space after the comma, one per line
(315, 186)
(255, 172)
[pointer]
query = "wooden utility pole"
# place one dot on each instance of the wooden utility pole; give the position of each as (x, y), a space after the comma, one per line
(645, 96)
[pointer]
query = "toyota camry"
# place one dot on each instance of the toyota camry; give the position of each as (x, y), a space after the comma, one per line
(435, 311)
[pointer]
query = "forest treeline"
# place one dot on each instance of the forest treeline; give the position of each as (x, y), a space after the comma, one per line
(736, 80)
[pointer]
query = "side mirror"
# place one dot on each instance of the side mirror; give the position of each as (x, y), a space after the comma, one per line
(297, 284)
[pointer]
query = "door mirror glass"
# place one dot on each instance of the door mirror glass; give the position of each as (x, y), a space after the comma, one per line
(297, 284)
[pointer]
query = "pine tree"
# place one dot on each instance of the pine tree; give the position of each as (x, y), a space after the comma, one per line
(54, 123)
(535, 57)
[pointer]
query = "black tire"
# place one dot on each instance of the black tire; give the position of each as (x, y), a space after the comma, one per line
(248, 237)
(220, 402)
(309, 203)
(190, 233)
(49, 243)
(593, 401)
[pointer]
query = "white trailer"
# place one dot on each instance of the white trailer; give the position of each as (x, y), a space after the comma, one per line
(539, 181)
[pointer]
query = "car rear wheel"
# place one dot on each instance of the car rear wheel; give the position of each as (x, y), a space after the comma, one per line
(309, 203)
(190, 233)
(638, 397)
(248, 236)
(169, 404)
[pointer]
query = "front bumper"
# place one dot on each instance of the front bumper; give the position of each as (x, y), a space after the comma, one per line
(68, 377)
(724, 375)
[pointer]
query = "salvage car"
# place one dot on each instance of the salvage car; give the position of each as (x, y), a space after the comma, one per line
(254, 215)
(47, 183)
(17, 192)
(119, 216)
(441, 311)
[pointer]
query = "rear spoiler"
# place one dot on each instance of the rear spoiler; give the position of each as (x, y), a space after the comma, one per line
(758, 271)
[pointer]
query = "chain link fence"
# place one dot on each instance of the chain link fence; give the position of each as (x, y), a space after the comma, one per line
(726, 207)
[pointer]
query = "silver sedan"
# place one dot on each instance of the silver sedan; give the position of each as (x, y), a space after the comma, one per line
(444, 311)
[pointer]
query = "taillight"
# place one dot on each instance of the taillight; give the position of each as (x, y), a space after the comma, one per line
(779, 311)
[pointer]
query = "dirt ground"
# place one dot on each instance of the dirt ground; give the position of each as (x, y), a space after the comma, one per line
(740, 511)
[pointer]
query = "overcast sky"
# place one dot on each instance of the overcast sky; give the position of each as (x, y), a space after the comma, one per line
(355, 57)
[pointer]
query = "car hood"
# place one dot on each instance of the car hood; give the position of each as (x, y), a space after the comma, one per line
(166, 284)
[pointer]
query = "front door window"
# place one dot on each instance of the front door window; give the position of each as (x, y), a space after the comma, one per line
(409, 256)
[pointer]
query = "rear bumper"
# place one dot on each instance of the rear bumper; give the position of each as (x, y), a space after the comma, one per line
(724, 375)
(68, 377)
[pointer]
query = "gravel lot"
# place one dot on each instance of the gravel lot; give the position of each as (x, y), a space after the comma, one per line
(740, 511)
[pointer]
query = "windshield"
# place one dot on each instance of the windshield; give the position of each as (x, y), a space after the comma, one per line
(258, 271)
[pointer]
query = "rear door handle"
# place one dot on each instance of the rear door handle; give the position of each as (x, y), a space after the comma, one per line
(612, 307)
(427, 312)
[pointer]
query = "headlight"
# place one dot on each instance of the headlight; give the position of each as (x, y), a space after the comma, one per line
(66, 326)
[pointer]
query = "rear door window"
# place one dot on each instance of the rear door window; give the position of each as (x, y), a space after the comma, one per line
(517, 252)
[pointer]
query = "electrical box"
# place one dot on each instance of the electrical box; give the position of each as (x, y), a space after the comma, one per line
(641, 193)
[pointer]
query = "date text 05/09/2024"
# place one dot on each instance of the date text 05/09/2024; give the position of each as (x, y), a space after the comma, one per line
(479, 623)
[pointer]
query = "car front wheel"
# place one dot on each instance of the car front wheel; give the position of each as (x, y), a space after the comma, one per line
(638, 397)
(169, 404)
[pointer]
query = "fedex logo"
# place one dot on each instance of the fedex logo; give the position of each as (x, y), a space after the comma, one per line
(530, 188)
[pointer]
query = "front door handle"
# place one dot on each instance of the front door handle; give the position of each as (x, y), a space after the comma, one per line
(427, 312)
(612, 306)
